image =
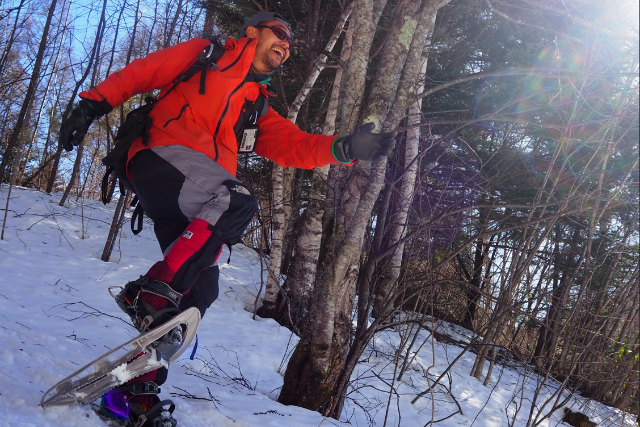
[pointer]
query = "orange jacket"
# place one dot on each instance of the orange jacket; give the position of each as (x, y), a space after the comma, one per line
(206, 122)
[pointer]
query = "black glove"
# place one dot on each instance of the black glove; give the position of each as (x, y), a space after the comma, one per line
(77, 124)
(364, 145)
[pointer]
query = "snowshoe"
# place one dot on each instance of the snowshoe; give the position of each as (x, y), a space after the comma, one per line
(147, 352)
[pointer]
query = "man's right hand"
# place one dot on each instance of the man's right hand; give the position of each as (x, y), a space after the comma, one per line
(74, 127)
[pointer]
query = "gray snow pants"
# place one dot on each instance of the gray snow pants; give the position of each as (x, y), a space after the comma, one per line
(177, 185)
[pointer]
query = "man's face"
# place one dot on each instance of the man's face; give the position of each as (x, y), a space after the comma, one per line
(271, 52)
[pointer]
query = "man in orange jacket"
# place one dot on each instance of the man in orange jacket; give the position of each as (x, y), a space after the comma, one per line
(184, 176)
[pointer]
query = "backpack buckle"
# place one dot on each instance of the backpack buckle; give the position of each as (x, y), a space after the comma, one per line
(205, 58)
(208, 51)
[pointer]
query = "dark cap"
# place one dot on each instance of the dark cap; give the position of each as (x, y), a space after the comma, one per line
(262, 17)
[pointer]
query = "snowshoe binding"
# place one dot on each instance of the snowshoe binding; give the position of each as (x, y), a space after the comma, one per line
(147, 302)
(150, 303)
(137, 405)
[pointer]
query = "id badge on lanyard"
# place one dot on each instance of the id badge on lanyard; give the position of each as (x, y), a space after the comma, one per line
(250, 135)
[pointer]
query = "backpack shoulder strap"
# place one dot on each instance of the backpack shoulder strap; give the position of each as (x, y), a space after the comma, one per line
(262, 104)
(206, 60)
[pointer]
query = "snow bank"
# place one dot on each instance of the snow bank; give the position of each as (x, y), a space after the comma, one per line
(56, 315)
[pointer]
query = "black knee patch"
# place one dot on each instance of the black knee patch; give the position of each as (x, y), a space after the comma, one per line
(242, 206)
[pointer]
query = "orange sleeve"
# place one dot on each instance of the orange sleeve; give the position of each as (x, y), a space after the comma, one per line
(154, 71)
(283, 142)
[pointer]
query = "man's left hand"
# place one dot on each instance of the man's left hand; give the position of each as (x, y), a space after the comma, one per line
(362, 144)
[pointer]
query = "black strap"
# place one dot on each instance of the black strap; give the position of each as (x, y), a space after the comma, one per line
(262, 105)
(203, 78)
(148, 321)
(142, 419)
(206, 60)
(159, 288)
(121, 148)
(142, 387)
(138, 214)
(106, 192)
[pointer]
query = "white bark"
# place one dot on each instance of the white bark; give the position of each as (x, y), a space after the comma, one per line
(279, 218)
(277, 234)
(411, 83)
(318, 66)
(365, 183)
(303, 270)
(397, 227)
(330, 282)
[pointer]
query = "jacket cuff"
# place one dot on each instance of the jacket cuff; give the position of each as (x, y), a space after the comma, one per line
(94, 95)
(337, 150)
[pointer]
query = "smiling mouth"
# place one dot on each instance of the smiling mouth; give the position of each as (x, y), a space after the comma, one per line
(279, 51)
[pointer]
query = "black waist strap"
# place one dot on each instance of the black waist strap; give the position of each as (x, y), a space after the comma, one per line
(138, 214)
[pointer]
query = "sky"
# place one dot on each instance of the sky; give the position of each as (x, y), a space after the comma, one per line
(56, 315)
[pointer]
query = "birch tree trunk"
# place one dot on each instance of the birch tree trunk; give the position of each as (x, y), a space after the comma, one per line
(279, 215)
(319, 370)
(316, 64)
(397, 227)
(414, 35)
(316, 375)
(293, 306)
(277, 236)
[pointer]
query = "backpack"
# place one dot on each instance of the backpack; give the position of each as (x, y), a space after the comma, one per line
(137, 125)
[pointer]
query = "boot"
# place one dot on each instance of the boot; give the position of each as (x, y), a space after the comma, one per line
(138, 405)
(149, 303)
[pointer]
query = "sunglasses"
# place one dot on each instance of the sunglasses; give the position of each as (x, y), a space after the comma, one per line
(280, 33)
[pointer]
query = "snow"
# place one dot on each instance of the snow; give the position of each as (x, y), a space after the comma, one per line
(56, 315)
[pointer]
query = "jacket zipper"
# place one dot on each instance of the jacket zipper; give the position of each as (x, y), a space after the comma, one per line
(238, 58)
(224, 112)
(184, 107)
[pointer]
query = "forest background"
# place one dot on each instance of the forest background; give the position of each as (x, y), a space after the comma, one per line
(509, 206)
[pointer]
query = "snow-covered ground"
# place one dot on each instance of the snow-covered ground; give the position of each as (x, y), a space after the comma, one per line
(56, 315)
